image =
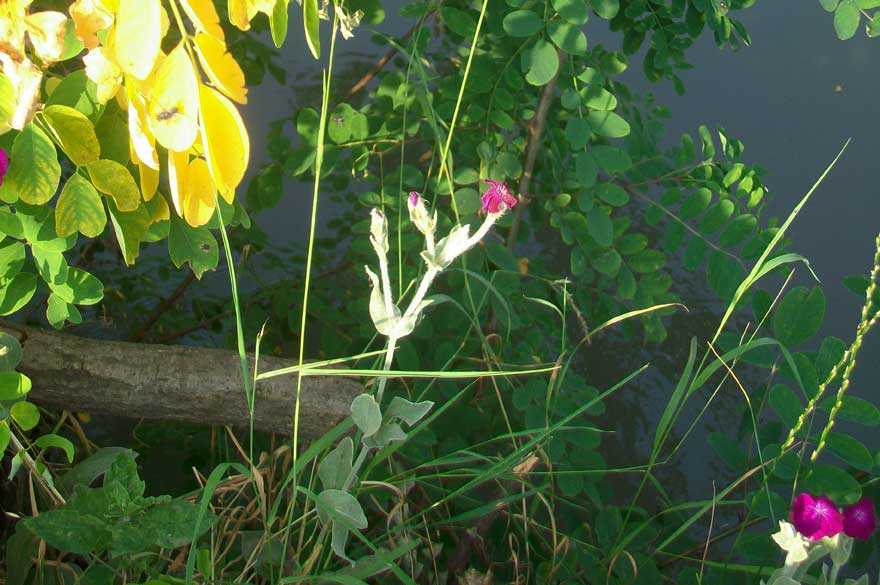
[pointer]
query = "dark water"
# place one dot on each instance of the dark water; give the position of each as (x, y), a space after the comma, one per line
(793, 98)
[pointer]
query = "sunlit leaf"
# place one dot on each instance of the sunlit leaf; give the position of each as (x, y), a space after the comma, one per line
(224, 140)
(46, 31)
(199, 198)
(173, 101)
(113, 179)
(310, 23)
(204, 16)
(79, 209)
(25, 415)
(221, 68)
(34, 171)
(178, 165)
(139, 30)
(143, 147)
(149, 179)
(75, 132)
(196, 246)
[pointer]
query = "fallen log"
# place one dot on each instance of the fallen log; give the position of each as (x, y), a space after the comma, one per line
(173, 382)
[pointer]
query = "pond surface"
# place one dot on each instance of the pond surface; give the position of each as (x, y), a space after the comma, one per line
(794, 97)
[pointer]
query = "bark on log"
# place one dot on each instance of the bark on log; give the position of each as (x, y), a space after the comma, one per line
(173, 382)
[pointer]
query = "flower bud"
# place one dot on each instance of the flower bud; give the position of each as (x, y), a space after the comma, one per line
(379, 232)
(418, 214)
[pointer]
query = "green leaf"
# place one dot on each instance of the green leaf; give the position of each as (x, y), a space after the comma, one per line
(14, 385)
(10, 225)
(458, 21)
(113, 179)
(51, 265)
(130, 228)
(567, 37)
(59, 311)
(608, 124)
(586, 169)
(799, 315)
(830, 354)
(860, 411)
(408, 412)
(786, 404)
(336, 505)
(79, 209)
(846, 20)
(194, 245)
(16, 293)
(833, 482)
(4, 440)
(38, 227)
(366, 414)
(708, 144)
(12, 257)
(716, 216)
(598, 98)
(611, 158)
(90, 468)
(75, 132)
(311, 24)
(25, 414)
(467, 201)
(34, 171)
(607, 9)
(850, 450)
(612, 194)
(167, 525)
(80, 288)
(577, 132)
(7, 99)
(335, 467)
(573, 11)
(339, 123)
(70, 531)
(728, 450)
(56, 441)
(541, 63)
(522, 23)
(829, 5)
(278, 22)
(695, 203)
(738, 230)
(647, 261)
(124, 470)
(867, 4)
(77, 91)
(600, 227)
(607, 263)
(10, 352)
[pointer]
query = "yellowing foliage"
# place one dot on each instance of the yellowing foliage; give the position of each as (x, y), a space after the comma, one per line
(224, 140)
(139, 28)
(173, 101)
(199, 198)
(221, 68)
(204, 16)
(178, 165)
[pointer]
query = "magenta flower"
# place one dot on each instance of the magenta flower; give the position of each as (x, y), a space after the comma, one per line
(413, 198)
(4, 164)
(815, 518)
(859, 519)
(497, 198)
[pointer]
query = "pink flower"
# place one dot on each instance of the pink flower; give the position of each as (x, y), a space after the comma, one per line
(497, 198)
(413, 198)
(859, 519)
(4, 164)
(815, 518)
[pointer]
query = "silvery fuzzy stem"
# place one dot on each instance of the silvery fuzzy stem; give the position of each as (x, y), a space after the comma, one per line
(427, 280)
(484, 229)
(389, 358)
(386, 284)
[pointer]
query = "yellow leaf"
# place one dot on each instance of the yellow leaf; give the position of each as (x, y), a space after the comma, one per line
(103, 72)
(204, 16)
(178, 165)
(75, 132)
(158, 209)
(139, 26)
(26, 79)
(46, 32)
(142, 142)
(224, 140)
(238, 14)
(149, 180)
(173, 101)
(200, 198)
(221, 67)
(90, 17)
